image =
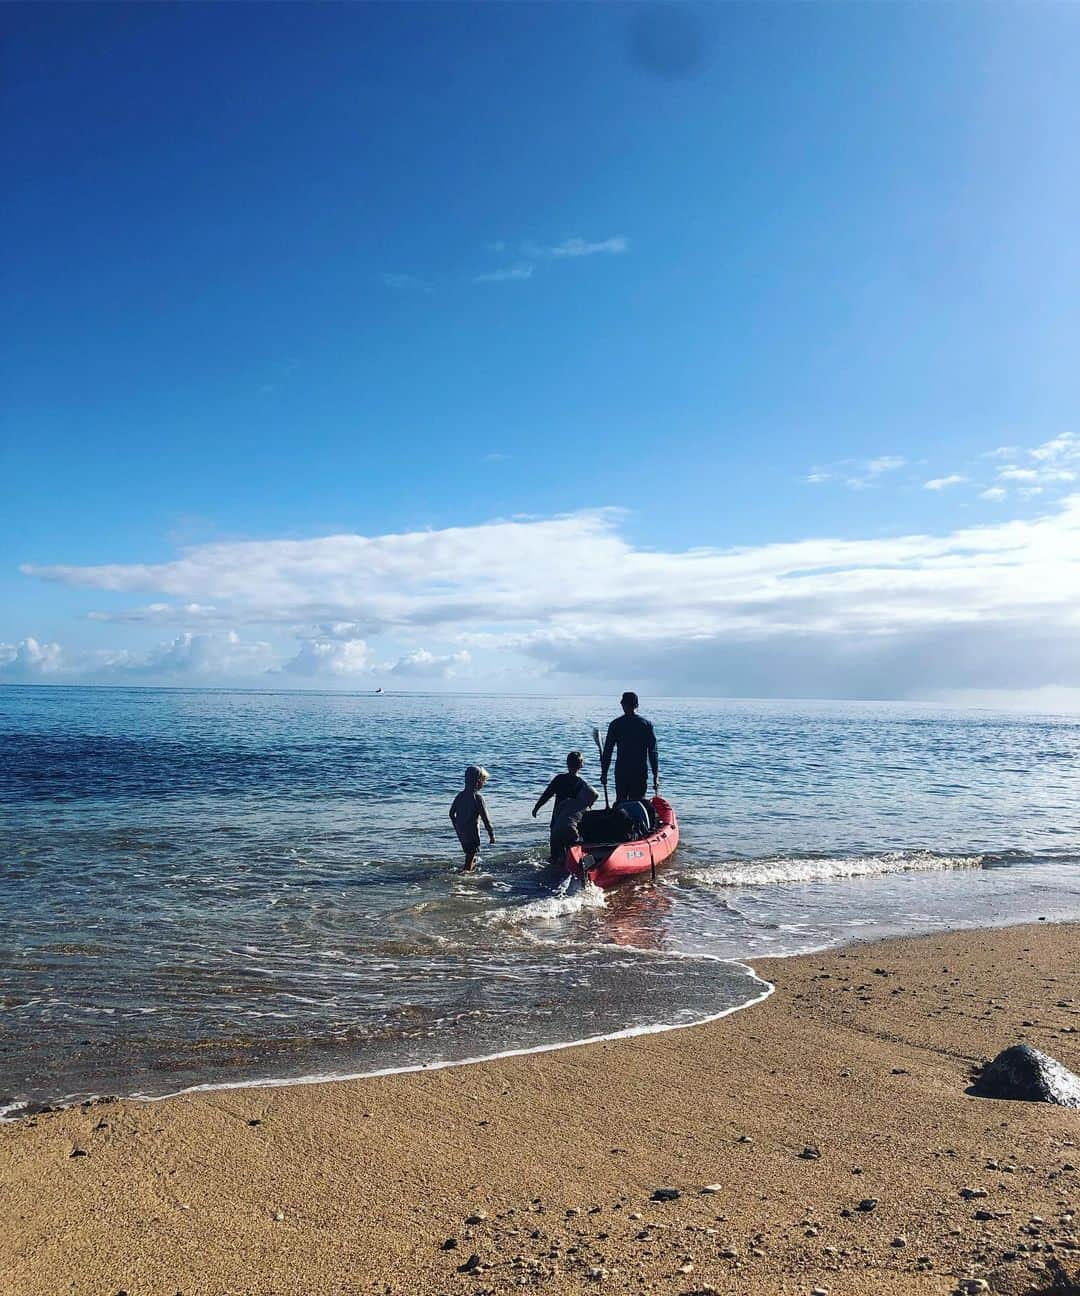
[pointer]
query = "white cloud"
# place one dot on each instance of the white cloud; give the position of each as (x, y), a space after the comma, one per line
(342, 659)
(330, 657)
(1064, 447)
(1041, 475)
(523, 270)
(208, 655)
(856, 473)
(203, 654)
(422, 664)
(884, 464)
(346, 630)
(809, 615)
(576, 247)
(1046, 468)
(1054, 463)
(406, 283)
(29, 659)
(160, 613)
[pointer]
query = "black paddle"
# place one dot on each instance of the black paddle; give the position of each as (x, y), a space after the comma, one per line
(596, 739)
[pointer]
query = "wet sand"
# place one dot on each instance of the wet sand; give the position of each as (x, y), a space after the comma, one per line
(846, 1087)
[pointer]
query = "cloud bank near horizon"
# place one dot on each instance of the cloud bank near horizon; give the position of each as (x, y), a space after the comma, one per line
(569, 599)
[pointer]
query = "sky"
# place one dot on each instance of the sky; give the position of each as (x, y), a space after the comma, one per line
(725, 349)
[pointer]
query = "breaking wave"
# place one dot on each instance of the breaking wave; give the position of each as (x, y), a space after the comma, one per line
(563, 902)
(827, 868)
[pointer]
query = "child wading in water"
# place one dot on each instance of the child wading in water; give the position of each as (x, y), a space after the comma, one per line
(573, 796)
(466, 814)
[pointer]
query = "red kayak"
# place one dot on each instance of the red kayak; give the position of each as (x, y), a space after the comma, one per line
(606, 863)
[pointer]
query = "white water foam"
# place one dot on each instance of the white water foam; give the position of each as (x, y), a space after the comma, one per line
(786, 868)
(570, 898)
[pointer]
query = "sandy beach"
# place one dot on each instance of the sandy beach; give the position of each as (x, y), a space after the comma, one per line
(845, 1088)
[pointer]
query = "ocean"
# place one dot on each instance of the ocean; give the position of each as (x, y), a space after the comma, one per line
(205, 888)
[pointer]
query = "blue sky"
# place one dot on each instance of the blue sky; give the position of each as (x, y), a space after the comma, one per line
(301, 298)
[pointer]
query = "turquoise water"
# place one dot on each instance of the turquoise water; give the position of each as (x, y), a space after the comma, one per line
(215, 887)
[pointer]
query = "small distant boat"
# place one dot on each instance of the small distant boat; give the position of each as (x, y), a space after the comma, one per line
(378, 690)
(605, 863)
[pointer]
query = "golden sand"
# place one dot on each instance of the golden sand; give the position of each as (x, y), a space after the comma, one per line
(846, 1086)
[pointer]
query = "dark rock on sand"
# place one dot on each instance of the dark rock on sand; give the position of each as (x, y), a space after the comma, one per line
(666, 1194)
(1025, 1074)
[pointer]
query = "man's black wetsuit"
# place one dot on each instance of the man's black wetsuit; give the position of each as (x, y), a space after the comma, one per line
(636, 742)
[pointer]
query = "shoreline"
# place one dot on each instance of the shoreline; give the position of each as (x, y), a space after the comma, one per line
(846, 1085)
(419, 1068)
(16, 1112)
(19, 1111)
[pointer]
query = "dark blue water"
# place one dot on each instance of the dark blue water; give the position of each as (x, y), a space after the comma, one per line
(212, 887)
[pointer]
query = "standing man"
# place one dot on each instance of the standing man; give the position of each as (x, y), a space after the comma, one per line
(635, 739)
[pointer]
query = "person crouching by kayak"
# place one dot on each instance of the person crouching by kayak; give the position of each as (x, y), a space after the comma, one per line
(635, 739)
(466, 814)
(566, 821)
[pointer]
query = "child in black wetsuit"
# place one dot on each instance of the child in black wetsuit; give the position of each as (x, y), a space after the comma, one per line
(564, 787)
(466, 814)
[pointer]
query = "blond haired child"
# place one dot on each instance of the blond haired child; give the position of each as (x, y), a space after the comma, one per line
(466, 814)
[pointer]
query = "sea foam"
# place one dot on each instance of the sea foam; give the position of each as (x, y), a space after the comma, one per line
(793, 868)
(569, 899)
